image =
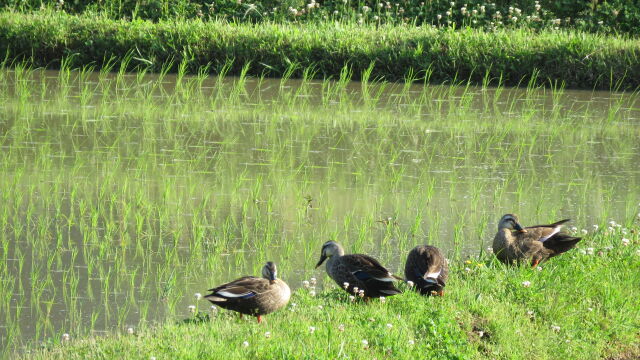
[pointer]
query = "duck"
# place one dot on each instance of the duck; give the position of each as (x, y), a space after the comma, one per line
(427, 268)
(252, 295)
(358, 271)
(536, 244)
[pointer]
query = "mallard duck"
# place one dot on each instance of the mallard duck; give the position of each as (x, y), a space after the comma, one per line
(427, 268)
(357, 270)
(253, 295)
(513, 243)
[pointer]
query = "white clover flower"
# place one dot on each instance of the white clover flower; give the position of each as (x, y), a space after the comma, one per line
(355, 290)
(584, 231)
(245, 344)
(530, 313)
(305, 284)
(555, 328)
(365, 9)
(474, 12)
(192, 308)
(335, 12)
(66, 337)
(411, 342)
(345, 285)
(440, 17)
(612, 223)
(130, 331)
(467, 270)
(389, 326)
(595, 227)
(267, 334)
(352, 298)
(341, 327)
(526, 283)
(376, 17)
(489, 250)
(312, 329)
(361, 293)
(313, 281)
(320, 307)
(410, 283)
(312, 293)
(589, 309)
(198, 296)
(590, 251)
(383, 299)
(448, 13)
(539, 268)
(625, 242)
(452, 4)
(365, 344)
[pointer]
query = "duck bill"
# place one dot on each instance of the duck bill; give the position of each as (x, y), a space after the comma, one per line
(272, 281)
(518, 227)
(322, 259)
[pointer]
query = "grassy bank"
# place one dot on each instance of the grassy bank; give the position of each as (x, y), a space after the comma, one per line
(511, 57)
(582, 305)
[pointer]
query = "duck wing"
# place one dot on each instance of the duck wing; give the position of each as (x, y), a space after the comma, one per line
(364, 268)
(545, 232)
(243, 288)
(377, 279)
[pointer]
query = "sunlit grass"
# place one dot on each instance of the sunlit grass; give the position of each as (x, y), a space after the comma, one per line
(580, 305)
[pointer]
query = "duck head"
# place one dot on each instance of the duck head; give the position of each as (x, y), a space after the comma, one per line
(270, 272)
(329, 249)
(510, 221)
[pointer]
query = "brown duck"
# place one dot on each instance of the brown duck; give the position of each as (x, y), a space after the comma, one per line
(427, 268)
(253, 295)
(513, 243)
(358, 270)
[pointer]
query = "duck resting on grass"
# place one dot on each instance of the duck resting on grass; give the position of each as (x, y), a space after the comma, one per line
(513, 243)
(358, 271)
(427, 268)
(253, 295)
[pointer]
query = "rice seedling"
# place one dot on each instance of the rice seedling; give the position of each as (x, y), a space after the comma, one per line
(122, 191)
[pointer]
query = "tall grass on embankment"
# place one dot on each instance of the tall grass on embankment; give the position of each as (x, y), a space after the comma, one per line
(581, 305)
(578, 60)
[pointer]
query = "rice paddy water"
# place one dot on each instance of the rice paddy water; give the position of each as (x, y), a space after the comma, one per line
(123, 194)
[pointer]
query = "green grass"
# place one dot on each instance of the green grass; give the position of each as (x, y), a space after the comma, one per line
(577, 306)
(507, 57)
